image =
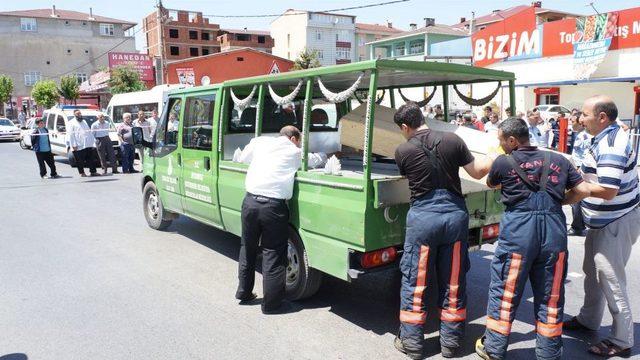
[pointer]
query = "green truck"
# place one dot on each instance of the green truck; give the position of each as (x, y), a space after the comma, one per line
(345, 224)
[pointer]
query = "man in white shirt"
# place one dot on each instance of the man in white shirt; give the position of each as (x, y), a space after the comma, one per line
(100, 129)
(538, 133)
(82, 143)
(147, 131)
(265, 215)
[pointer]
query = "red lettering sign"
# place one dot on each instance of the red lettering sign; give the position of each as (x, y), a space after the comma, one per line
(515, 36)
(141, 62)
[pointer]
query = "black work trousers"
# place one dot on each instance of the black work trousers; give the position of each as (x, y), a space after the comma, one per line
(85, 158)
(265, 223)
(46, 157)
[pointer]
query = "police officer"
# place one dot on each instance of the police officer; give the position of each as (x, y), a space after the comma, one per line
(437, 230)
(532, 242)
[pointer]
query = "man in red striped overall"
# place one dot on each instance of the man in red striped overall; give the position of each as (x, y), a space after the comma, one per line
(532, 242)
(437, 230)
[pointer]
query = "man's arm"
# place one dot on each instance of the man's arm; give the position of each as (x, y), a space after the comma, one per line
(247, 153)
(479, 167)
(602, 192)
(577, 193)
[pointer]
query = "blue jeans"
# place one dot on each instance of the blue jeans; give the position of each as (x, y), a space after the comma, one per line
(127, 153)
(436, 239)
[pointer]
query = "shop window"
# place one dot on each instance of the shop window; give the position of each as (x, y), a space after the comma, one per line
(193, 35)
(194, 51)
(174, 50)
(174, 33)
(198, 123)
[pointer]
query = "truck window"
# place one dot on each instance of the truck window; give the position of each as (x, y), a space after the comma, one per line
(51, 121)
(133, 109)
(167, 130)
(197, 126)
(60, 124)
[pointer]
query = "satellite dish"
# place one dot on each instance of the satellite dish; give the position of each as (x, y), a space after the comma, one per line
(205, 80)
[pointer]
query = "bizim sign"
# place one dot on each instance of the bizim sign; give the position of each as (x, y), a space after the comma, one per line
(140, 62)
(593, 39)
(514, 38)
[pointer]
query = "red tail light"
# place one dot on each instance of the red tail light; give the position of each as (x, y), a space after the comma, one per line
(378, 257)
(490, 231)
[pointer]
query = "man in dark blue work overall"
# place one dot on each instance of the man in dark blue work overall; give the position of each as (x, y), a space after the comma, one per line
(437, 230)
(532, 242)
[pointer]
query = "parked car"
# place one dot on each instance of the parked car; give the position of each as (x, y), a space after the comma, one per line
(550, 112)
(25, 133)
(56, 120)
(9, 130)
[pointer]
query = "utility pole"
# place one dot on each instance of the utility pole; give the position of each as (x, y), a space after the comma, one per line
(159, 23)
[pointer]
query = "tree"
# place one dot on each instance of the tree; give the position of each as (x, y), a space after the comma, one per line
(125, 79)
(307, 59)
(69, 88)
(6, 89)
(45, 93)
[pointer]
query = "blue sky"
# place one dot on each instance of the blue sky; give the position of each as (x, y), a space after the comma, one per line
(401, 15)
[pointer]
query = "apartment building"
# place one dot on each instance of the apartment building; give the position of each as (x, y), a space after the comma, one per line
(366, 33)
(238, 39)
(180, 34)
(331, 35)
(47, 43)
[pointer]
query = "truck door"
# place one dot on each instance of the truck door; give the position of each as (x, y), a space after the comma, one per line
(166, 156)
(199, 166)
(59, 136)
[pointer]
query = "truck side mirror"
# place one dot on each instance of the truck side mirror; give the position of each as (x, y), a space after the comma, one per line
(138, 138)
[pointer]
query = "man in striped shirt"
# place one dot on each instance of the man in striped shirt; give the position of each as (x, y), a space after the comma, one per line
(612, 217)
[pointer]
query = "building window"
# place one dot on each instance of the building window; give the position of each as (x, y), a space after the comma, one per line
(32, 77)
(193, 35)
(320, 54)
(205, 51)
(243, 37)
(416, 47)
(204, 36)
(174, 33)
(173, 15)
(82, 77)
(361, 40)
(343, 35)
(343, 53)
(262, 39)
(192, 16)
(400, 50)
(318, 35)
(106, 29)
(174, 50)
(288, 42)
(28, 24)
(194, 52)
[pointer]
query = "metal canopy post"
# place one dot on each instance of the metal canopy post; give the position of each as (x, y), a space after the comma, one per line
(368, 136)
(306, 123)
(445, 102)
(512, 96)
(221, 123)
(259, 110)
(392, 98)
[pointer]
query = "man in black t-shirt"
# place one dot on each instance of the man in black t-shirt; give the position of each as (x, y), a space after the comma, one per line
(532, 242)
(437, 230)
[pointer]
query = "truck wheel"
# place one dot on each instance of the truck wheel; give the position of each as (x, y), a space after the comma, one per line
(155, 214)
(302, 281)
(23, 145)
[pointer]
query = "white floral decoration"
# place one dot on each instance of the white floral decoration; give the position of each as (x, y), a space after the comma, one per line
(244, 103)
(282, 100)
(341, 96)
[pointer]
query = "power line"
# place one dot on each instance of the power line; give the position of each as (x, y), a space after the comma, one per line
(298, 13)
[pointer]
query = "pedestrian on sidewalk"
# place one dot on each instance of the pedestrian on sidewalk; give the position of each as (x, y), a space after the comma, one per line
(126, 144)
(147, 131)
(612, 217)
(104, 146)
(581, 145)
(42, 147)
(82, 142)
(532, 243)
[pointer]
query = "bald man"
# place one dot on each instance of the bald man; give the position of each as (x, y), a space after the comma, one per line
(611, 215)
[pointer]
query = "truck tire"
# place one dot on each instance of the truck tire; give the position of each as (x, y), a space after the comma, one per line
(302, 281)
(157, 217)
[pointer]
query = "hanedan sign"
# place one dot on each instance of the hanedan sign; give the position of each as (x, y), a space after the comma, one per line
(141, 62)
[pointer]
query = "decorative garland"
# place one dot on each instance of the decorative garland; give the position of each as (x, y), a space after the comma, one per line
(285, 99)
(335, 98)
(477, 102)
(420, 103)
(244, 103)
(378, 101)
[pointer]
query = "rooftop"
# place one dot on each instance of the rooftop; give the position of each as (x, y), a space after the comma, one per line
(432, 29)
(499, 15)
(246, 31)
(67, 15)
(377, 28)
(227, 53)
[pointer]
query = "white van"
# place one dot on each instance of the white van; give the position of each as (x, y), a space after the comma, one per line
(133, 102)
(56, 121)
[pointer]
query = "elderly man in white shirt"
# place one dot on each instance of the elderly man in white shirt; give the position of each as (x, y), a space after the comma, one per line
(265, 215)
(82, 143)
(538, 133)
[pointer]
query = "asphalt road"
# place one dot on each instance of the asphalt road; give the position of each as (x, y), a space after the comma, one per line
(83, 277)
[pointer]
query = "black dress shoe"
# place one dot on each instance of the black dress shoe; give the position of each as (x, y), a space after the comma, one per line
(248, 299)
(574, 232)
(284, 308)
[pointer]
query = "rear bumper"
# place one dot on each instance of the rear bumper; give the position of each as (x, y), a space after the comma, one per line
(10, 136)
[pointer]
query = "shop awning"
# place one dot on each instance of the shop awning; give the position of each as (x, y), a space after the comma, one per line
(576, 82)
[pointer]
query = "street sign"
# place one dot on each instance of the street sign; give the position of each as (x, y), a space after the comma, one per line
(274, 68)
